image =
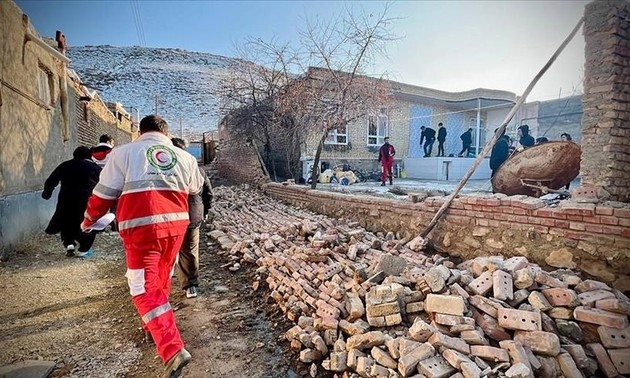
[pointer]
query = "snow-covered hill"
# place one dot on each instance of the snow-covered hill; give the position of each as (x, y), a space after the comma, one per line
(183, 82)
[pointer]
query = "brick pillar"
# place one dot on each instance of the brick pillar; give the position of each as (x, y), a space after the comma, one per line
(606, 118)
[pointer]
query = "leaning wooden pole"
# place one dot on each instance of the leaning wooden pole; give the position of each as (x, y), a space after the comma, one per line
(500, 131)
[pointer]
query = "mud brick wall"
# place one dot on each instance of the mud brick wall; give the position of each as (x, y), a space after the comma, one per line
(594, 239)
(236, 158)
(606, 101)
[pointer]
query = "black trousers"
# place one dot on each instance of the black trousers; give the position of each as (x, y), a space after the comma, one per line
(441, 147)
(466, 147)
(71, 234)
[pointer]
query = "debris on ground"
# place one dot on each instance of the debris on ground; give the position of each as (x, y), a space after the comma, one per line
(377, 306)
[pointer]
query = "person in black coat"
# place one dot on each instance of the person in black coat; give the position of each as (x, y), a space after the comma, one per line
(198, 207)
(525, 139)
(441, 138)
(77, 177)
(427, 135)
(500, 152)
(466, 138)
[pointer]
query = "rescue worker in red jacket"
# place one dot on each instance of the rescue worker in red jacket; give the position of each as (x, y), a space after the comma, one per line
(151, 180)
(386, 157)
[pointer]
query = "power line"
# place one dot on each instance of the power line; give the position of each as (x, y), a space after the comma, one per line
(137, 19)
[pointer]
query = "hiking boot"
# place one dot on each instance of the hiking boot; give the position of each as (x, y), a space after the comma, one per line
(70, 250)
(148, 338)
(175, 365)
(86, 254)
(391, 181)
(383, 183)
(191, 292)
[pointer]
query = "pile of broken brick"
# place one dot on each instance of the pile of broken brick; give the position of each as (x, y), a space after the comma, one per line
(376, 306)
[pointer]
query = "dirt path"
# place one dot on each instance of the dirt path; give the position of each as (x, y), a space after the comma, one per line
(79, 314)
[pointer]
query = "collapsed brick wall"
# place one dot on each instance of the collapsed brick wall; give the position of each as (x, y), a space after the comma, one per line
(595, 239)
(236, 158)
(606, 118)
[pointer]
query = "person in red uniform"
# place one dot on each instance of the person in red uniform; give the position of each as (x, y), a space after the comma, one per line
(386, 157)
(151, 180)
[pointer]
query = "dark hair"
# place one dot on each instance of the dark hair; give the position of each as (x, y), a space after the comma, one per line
(470, 129)
(568, 136)
(524, 128)
(440, 124)
(422, 127)
(153, 123)
(542, 140)
(179, 142)
(497, 129)
(105, 138)
(82, 152)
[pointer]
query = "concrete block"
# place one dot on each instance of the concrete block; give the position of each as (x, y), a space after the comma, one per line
(435, 367)
(541, 342)
(377, 370)
(590, 285)
(310, 355)
(354, 306)
(356, 328)
(561, 297)
(520, 296)
(406, 346)
(482, 284)
(421, 330)
(606, 365)
(601, 317)
(588, 298)
(523, 278)
(621, 359)
(502, 285)
(408, 363)
(364, 366)
(444, 304)
(519, 320)
(392, 320)
(614, 338)
(513, 264)
(383, 309)
(414, 307)
(490, 353)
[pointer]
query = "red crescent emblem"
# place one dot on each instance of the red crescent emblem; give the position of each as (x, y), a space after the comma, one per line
(159, 157)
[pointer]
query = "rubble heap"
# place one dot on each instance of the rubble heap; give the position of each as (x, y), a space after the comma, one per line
(376, 306)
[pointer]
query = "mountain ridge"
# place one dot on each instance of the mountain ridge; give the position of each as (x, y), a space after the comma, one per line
(184, 83)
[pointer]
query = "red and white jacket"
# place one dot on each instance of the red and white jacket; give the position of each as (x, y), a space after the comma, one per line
(151, 179)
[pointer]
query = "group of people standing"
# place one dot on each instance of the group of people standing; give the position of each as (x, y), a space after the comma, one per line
(161, 197)
(428, 138)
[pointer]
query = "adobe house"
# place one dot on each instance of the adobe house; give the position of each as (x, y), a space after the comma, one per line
(45, 113)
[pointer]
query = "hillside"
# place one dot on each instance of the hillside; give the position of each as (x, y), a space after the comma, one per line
(184, 82)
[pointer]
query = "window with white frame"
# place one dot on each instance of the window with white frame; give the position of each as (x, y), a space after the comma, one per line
(377, 127)
(338, 135)
(44, 87)
(482, 132)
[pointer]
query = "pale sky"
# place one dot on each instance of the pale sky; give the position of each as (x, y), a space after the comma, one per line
(446, 45)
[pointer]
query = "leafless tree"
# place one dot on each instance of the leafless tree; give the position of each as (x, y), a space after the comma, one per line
(315, 87)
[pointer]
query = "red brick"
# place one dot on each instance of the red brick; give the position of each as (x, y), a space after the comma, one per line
(604, 362)
(597, 228)
(577, 226)
(534, 220)
(611, 230)
(588, 298)
(507, 210)
(501, 216)
(490, 353)
(601, 317)
(547, 222)
(613, 221)
(521, 219)
(541, 229)
(595, 219)
(545, 343)
(561, 223)
(482, 222)
(519, 319)
(458, 219)
(614, 305)
(614, 338)
(622, 213)
(557, 231)
(625, 222)
(492, 202)
(502, 285)
(621, 359)
(561, 297)
(604, 210)
(545, 212)
(455, 212)
(519, 211)
(518, 226)
(575, 218)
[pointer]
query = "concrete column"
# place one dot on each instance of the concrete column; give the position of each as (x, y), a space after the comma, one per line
(606, 119)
